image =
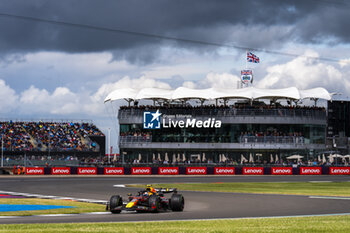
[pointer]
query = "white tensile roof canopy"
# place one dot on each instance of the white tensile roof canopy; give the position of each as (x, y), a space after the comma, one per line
(251, 93)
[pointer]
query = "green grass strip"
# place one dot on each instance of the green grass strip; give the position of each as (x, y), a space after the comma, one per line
(294, 188)
(80, 207)
(293, 225)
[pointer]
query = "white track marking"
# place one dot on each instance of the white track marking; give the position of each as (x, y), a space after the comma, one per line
(54, 197)
(321, 181)
(99, 213)
(53, 215)
(119, 185)
(57, 215)
(335, 198)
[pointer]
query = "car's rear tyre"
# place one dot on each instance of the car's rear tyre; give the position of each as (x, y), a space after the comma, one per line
(114, 202)
(154, 203)
(177, 202)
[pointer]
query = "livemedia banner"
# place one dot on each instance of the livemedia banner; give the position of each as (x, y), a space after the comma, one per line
(310, 171)
(141, 171)
(253, 171)
(168, 171)
(339, 170)
(281, 171)
(60, 171)
(34, 171)
(196, 170)
(114, 171)
(224, 171)
(87, 171)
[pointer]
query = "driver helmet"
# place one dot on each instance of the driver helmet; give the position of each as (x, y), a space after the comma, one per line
(148, 187)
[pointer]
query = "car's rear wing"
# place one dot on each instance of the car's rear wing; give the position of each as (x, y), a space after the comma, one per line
(166, 190)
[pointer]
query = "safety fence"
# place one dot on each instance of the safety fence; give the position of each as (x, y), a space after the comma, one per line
(187, 170)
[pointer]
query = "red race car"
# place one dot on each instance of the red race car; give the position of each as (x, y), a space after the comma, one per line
(148, 200)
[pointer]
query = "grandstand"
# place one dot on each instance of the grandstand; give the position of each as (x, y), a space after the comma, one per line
(254, 126)
(50, 142)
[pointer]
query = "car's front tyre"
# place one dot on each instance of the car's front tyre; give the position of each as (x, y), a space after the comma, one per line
(177, 202)
(115, 201)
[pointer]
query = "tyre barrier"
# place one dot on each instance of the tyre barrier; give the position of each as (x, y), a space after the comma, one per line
(187, 171)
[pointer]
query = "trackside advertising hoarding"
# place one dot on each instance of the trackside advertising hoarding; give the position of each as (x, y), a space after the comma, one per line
(114, 171)
(60, 171)
(87, 170)
(339, 171)
(140, 171)
(253, 171)
(196, 170)
(168, 171)
(310, 171)
(281, 171)
(34, 171)
(224, 171)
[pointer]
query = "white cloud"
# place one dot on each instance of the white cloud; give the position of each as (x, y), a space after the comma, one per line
(344, 62)
(34, 95)
(217, 80)
(305, 73)
(61, 101)
(189, 84)
(8, 98)
(128, 82)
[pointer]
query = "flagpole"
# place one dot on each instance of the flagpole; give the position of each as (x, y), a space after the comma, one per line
(246, 64)
(109, 146)
(2, 150)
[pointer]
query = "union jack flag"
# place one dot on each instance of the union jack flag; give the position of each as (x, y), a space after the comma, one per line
(252, 58)
(246, 72)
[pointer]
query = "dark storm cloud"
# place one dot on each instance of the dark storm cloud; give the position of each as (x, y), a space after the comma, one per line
(213, 21)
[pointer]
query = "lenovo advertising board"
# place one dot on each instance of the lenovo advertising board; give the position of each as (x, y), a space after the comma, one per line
(281, 171)
(224, 171)
(140, 171)
(60, 171)
(87, 170)
(196, 170)
(34, 171)
(310, 171)
(253, 171)
(168, 171)
(339, 170)
(114, 171)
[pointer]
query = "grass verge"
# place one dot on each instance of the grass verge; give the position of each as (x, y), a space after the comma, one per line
(80, 207)
(302, 224)
(295, 188)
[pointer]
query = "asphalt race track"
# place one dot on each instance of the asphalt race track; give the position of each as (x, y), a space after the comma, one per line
(198, 205)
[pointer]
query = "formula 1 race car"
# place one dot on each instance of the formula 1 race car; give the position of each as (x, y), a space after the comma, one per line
(148, 200)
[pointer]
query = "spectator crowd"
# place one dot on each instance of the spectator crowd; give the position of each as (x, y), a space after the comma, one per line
(48, 136)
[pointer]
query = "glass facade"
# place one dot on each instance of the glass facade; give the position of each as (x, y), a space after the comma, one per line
(230, 133)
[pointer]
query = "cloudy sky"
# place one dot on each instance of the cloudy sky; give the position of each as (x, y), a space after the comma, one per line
(64, 71)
